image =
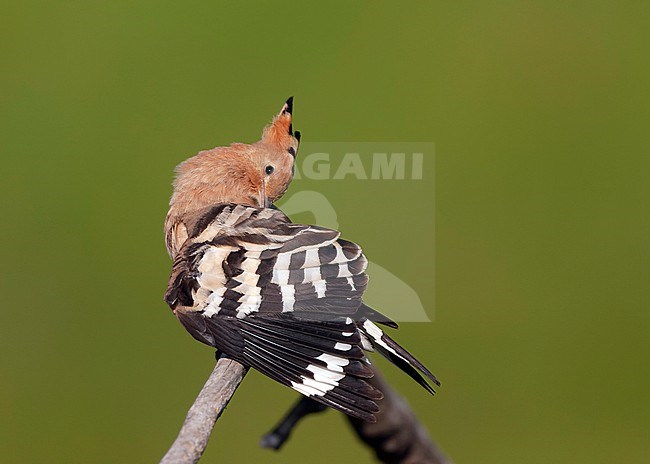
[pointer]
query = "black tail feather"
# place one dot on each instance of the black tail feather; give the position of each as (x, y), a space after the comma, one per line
(392, 351)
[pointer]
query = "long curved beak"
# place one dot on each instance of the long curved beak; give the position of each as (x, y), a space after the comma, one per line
(262, 198)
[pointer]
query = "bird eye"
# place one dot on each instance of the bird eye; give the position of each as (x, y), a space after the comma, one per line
(269, 170)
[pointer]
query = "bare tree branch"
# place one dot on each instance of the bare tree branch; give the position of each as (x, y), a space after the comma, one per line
(396, 437)
(208, 406)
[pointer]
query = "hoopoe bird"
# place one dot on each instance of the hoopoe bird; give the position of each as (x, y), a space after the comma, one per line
(282, 298)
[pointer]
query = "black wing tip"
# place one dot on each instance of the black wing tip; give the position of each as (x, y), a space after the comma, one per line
(348, 403)
(388, 323)
(423, 369)
(375, 316)
(427, 387)
(364, 417)
(371, 418)
(405, 361)
(412, 372)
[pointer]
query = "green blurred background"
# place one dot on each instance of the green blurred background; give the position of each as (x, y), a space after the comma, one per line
(539, 112)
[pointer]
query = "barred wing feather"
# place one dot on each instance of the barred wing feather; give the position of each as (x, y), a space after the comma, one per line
(285, 299)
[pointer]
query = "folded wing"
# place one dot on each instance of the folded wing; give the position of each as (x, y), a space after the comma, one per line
(285, 299)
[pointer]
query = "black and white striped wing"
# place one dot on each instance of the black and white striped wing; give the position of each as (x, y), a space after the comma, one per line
(279, 297)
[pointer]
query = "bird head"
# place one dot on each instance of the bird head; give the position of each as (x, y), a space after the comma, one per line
(255, 174)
